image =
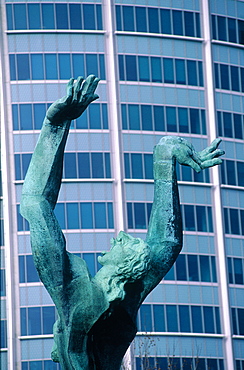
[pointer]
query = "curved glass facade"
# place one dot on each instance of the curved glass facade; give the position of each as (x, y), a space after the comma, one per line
(167, 67)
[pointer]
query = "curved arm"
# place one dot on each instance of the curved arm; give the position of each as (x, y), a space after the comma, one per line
(43, 180)
(164, 234)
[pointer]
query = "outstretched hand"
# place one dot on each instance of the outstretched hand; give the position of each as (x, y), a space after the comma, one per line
(184, 152)
(79, 95)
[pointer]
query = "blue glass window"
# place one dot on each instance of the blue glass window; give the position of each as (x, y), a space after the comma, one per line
(193, 267)
(184, 318)
(146, 113)
(61, 16)
(9, 14)
(48, 16)
(51, 66)
(221, 24)
(234, 71)
(166, 21)
(37, 70)
(195, 121)
(141, 20)
(196, 319)
(140, 217)
(189, 23)
(153, 20)
(33, 320)
(25, 117)
(91, 64)
(159, 118)
(34, 14)
(70, 170)
(2, 283)
(3, 333)
(144, 74)
(100, 215)
(78, 64)
(189, 218)
(180, 71)
(156, 69)
(48, 317)
(64, 66)
(118, 18)
(131, 68)
(39, 114)
(172, 318)
(238, 126)
(72, 216)
(171, 119)
(84, 165)
(192, 72)
(128, 18)
(23, 67)
(177, 22)
(201, 218)
(224, 76)
(20, 20)
(97, 161)
(241, 31)
(136, 163)
(208, 319)
(168, 70)
(181, 267)
(159, 322)
(75, 18)
(205, 269)
(232, 30)
(134, 118)
(146, 318)
(89, 17)
(86, 215)
(99, 16)
(183, 120)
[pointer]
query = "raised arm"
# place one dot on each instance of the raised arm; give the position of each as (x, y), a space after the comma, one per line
(165, 227)
(43, 179)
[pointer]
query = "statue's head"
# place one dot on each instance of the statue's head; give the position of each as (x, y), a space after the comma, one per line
(128, 260)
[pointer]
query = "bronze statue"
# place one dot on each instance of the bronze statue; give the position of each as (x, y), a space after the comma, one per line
(97, 316)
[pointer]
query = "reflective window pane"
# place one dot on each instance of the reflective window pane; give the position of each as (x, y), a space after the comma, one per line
(75, 17)
(131, 68)
(20, 19)
(128, 18)
(37, 68)
(23, 67)
(48, 16)
(86, 216)
(51, 66)
(141, 21)
(61, 16)
(144, 74)
(153, 20)
(72, 216)
(89, 18)
(64, 66)
(100, 215)
(34, 13)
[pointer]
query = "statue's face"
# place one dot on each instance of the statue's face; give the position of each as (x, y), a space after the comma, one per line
(121, 246)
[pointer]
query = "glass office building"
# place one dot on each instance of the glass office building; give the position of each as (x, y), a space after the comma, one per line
(167, 67)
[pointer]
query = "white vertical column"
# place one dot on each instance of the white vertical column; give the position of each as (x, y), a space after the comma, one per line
(115, 134)
(113, 112)
(217, 206)
(9, 208)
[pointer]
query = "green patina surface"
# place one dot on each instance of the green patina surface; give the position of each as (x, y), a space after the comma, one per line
(97, 316)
